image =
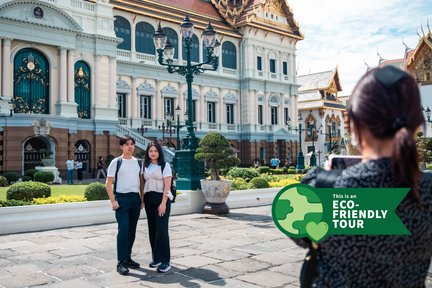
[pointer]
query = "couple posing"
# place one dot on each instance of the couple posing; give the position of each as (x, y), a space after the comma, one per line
(139, 186)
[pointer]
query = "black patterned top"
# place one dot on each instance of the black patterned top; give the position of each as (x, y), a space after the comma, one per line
(379, 261)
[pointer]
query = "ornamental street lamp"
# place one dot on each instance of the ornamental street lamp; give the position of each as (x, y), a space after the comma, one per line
(300, 157)
(190, 171)
(312, 134)
(427, 113)
(329, 144)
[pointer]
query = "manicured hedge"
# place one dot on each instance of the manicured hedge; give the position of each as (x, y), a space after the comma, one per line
(28, 190)
(257, 183)
(44, 176)
(96, 191)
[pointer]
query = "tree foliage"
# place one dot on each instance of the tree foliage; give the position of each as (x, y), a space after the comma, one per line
(217, 152)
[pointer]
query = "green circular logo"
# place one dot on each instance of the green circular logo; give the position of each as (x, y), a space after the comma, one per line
(297, 211)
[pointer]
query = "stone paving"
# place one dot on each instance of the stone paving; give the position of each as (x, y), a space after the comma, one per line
(243, 249)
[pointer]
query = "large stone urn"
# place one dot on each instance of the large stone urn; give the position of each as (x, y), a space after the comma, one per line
(215, 192)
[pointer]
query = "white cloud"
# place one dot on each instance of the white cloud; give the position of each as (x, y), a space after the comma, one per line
(347, 33)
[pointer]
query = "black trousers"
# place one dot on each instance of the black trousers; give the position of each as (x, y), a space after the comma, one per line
(127, 218)
(158, 226)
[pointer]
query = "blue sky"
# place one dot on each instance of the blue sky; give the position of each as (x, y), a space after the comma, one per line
(348, 33)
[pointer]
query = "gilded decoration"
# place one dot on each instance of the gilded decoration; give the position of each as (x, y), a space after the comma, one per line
(231, 10)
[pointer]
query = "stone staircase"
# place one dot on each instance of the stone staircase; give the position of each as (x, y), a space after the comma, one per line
(143, 142)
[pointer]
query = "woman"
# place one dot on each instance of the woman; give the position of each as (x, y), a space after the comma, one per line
(157, 204)
(385, 114)
(79, 168)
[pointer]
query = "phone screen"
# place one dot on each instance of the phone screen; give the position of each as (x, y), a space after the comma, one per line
(342, 162)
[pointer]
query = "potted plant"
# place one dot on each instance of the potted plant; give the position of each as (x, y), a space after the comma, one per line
(217, 153)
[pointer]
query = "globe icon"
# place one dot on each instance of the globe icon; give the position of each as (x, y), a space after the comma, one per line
(294, 207)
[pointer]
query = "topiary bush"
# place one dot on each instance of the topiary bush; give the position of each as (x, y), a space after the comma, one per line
(239, 184)
(217, 152)
(291, 170)
(96, 191)
(3, 181)
(257, 183)
(245, 173)
(30, 173)
(263, 169)
(26, 178)
(11, 177)
(28, 190)
(44, 176)
(278, 171)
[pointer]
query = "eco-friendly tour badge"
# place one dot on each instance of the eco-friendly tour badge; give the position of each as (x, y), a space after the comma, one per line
(300, 211)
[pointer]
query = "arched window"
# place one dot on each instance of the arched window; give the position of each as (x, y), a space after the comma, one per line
(229, 55)
(82, 89)
(194, 56)
(173, 38)
(144, 38)
(31, 87)
(122, 30)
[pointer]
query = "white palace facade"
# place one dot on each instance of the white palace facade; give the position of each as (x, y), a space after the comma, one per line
(76, 75)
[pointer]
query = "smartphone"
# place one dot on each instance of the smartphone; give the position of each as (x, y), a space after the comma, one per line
(343, 161)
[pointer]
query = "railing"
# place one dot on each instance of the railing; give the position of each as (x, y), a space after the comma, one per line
(123, 121)
(83, 5)
(286, 78)
(124, 53)
(260, 73)
(273, 75)
(231, 127)
(143, 56)
(139, 139)
(212, 126)
(146, 123)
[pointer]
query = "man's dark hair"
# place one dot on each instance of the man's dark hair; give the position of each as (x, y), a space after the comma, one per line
(124, 139)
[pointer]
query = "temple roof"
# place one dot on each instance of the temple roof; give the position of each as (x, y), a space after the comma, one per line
(315, 81)
(199, 11)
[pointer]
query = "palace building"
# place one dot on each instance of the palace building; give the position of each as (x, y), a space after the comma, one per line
(76, 75)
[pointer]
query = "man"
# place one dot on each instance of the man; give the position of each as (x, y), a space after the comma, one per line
(101, 168)
(126, 201)
(274, 162)
(70, 170)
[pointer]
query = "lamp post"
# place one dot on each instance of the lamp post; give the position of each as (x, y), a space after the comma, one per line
(312, 134)
(329, 144)
(169, 118)
(191, 171)
(319, 157)
(300, 157)
(177, 112)
(427, 113)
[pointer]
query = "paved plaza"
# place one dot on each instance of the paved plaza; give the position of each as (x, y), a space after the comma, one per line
(243, 249)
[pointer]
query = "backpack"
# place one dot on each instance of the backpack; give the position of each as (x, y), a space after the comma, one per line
(119, 162)
(173, 187)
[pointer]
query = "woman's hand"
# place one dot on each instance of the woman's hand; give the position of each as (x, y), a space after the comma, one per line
(142, 205)
(162, 209)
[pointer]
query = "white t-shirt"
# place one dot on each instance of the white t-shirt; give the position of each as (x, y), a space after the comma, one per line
(128, 175)
(154, 177)
(70, 164)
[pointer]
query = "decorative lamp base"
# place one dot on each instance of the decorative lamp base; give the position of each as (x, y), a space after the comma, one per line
(189, 171)
(300, 161)
(215, 208)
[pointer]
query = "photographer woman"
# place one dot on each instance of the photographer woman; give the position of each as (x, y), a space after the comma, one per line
(385, 115)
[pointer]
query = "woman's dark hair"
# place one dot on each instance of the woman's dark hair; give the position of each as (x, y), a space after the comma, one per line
(161, 158)
(386, 101)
